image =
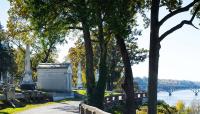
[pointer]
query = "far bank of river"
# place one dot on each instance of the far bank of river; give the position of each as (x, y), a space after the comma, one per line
(187, 96)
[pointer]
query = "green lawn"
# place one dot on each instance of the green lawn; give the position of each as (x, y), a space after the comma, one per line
(29, 106)
(83, 92)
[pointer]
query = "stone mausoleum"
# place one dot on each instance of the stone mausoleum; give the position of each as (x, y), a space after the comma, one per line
(54, 77)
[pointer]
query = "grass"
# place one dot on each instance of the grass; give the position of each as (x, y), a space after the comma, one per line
(29, 106)
(83, 92)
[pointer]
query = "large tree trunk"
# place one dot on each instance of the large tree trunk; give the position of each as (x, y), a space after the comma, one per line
(103, 69)
(89, 63)
(101, 85)
(153, 58)
(130, 107)
(90, 80)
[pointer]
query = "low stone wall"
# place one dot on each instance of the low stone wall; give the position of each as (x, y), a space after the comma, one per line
(86, 109)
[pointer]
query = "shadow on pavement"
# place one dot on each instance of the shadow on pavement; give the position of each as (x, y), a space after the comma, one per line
(73, 109)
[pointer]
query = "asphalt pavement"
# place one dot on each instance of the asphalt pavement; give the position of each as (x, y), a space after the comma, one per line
(68, 107)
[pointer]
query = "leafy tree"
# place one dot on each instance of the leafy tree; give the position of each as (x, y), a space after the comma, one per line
(180, 106)
(76, 55)
(174, 7)
(65, 15)
(114, 60)
(7, 63)
(21, 31)
(89, 17)
(121, 19)
(19, 59)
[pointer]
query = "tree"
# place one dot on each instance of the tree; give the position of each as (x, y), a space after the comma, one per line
(174, 7)
(65, 15)
(120, 22)
(19, 55)
(21, 32)
(7, 63)
(89, 17)
(77, 54)
(180, 106)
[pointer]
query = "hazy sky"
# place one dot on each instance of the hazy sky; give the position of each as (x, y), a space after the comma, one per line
(179, 55)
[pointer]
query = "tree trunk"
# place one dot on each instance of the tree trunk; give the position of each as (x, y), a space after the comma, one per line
(130, 107)
(89, 63)
(103, 69)
(153, 58)
(101, 85)
(47, 54)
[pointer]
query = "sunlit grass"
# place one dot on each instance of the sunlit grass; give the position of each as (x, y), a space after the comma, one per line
(29, 106)
(83, 92)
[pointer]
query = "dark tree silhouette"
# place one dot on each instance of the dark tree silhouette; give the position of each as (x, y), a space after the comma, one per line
(155, 40)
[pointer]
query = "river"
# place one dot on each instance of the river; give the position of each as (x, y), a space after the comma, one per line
(187, 96)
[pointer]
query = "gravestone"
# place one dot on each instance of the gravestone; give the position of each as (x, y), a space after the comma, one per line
(8, 86)
(79, 74)
(27, 82)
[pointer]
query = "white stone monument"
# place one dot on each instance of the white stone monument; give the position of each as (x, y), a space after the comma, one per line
(54, 77)
(27, 82)
(97, 75)
(79, 74)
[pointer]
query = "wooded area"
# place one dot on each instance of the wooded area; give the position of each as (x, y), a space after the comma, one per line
(107, 40)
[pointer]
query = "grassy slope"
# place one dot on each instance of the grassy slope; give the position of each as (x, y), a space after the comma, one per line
(16, 110)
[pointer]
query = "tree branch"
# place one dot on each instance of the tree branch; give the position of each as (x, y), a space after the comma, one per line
(180, 10)
(96, 41)
(79, 28)
(180, 25)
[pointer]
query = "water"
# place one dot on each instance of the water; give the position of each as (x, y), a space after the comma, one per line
(187, 96)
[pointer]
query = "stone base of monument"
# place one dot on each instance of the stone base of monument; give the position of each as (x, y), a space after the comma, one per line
(27, 86)
(61, 95)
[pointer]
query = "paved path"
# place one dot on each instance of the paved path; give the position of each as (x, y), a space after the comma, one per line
(69, 107)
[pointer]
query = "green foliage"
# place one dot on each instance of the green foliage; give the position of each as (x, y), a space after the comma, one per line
(114, 60)
(21, 32)
(102, 19)
(162, 108)
(107, 93)
(180, 106)
(7, 62)
(77, 54)
(171, 4)
(19, 54)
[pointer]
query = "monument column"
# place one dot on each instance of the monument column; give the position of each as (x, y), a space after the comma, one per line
(79, 73)
(27, 82)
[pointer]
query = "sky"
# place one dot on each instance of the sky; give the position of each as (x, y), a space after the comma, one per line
(179, 54)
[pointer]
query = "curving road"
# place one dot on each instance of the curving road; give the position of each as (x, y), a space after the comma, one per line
(69, 107)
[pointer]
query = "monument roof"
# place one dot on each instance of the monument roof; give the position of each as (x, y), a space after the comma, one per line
(53, 65)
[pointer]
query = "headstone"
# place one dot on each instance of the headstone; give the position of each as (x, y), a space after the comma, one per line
(97, 75)
(8, 87)
(79, 74)
(27, 82)
(11, 87)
